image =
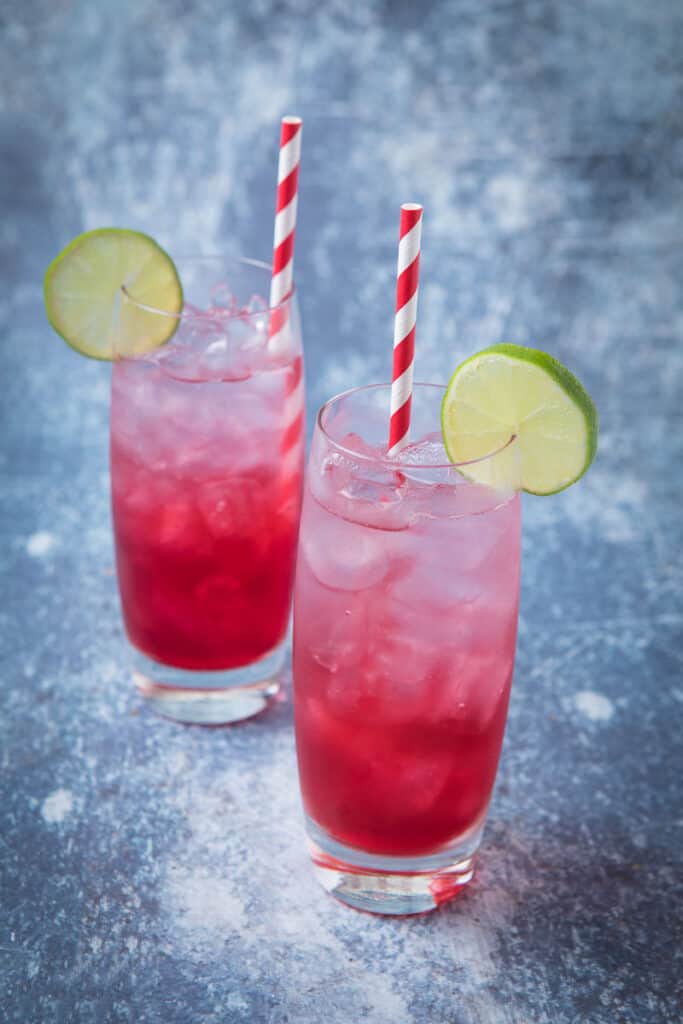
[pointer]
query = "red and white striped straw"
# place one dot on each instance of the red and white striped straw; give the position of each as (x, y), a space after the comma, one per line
(408, 274)
(282, 280)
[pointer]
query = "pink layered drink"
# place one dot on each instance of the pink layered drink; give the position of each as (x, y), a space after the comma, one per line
(405, 625)
(206, 463)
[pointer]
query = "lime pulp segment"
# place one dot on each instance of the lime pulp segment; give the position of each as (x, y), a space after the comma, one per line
(97, 288)
(510, 391)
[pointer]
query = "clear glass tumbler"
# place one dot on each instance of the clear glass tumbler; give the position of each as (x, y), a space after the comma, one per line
(207, 445)
(405, 622)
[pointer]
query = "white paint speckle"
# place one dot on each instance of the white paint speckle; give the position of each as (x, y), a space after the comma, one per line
(205, 908)
(177, 762)
(386, 1003)
(509, 198)
(57, 806)
(236, 1002)
(109, 671)
(594, 706)
(38, 544)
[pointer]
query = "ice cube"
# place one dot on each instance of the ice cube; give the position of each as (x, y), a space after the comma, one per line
(333, 473)
(437, 500)
(428, 451)
(182, 356)
(359, 447)
(177, 357)
(344, 556)
(365, 493)
(223, 299)
(480, 539)
(217, 349)
(375, 484)
(178, 525)
(232, 509)
(249, 334)
(432, 581)
(428, 455)
(478, 682)
(417, 781)
(220, 362)
(406, 669)
(338, 639)
(256, 304)
(216, 506)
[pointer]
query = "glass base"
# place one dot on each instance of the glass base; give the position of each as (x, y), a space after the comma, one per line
(392, 885)
(209, 698)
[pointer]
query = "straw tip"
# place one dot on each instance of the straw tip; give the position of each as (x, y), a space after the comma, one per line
(412, 207)
(291, 119)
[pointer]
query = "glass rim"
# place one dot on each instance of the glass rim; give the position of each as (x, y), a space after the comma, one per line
(247, 261)
(396, 463)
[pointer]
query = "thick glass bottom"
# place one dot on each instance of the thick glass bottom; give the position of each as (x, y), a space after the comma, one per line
(392, 885)
(209, 698)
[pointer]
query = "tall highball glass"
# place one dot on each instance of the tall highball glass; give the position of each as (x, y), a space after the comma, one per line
(207, 445)
(405, 622)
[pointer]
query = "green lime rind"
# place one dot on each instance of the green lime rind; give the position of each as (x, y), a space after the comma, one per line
(85, 303)
(495, 415)
(573, 387)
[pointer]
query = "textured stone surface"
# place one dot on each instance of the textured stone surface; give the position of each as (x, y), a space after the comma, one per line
(157, 873)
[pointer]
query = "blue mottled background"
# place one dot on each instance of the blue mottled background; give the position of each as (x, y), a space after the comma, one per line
(154, 873)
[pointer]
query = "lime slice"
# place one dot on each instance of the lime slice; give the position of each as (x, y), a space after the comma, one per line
(96, 288)
(508, 391)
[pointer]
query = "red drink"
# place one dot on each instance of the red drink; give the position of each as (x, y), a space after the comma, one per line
(205, 532)
(401, 707)
(405, 624)
(206, 465)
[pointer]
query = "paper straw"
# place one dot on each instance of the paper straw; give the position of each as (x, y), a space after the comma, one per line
(282, 279)
(282, 286)
(408, 273)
